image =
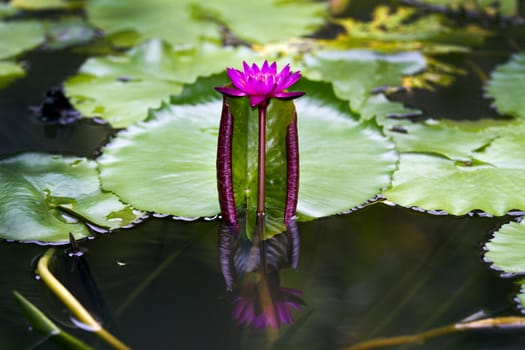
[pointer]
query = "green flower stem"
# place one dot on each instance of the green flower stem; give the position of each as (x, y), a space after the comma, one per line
(72, 303)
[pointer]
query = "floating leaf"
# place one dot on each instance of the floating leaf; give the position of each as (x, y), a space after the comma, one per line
(10, 71)
(44, 196)
(356, 73)
(460, 166)
(119, 101)
(506, 84)
(490, 7)
(403, 29)
(506, 251)
(453, 140)
(66, 32)
(7, 10)
(121, 89)
(190, 21)
(19, 36)
(46, 4)
(341, 159)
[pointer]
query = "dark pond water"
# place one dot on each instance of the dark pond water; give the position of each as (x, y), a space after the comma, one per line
(379, 271)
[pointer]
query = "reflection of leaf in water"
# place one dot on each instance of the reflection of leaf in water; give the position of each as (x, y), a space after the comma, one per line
(41, 193)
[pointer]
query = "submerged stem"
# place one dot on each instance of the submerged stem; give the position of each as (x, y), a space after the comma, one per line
(72, 303)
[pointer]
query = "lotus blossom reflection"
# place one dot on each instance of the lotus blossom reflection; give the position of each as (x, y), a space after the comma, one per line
(265, 304)
(261, 83)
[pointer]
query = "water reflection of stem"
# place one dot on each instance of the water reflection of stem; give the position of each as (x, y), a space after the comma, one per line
(72, 303)
(498, 322)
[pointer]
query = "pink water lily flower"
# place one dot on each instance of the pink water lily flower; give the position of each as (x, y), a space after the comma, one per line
(261, 84)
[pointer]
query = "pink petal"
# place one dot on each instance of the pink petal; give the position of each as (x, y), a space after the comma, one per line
(288, 95)
(264, 68)
(255, 69)
(256, 100)
(247, 69)
(230, 91)
(273, 68)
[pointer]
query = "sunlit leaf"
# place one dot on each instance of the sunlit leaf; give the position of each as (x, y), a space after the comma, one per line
(190, 21)
(7, 10)
(10, 71)
(119, 101)
(44, 197)
(167, 164)
(19, 36)
(506, 249)
(453, 140)
(355, 74)
(46, 4)
(402, 29)
(122, 88)
(506, 84)
(490, 7)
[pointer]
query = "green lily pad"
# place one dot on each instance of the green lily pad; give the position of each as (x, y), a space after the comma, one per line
(19, 36)
(122, 88)
(506, 249)
(491, 7)
(403, 29)
(44, 197)
(191, 21)
(39, 5)
(453, 140)
(6, 10)
(66, 32)
(355, 74)
(119, 101)
(506, 252)
(506, 85)
(10, 71)
(343, 162)
(460, 167)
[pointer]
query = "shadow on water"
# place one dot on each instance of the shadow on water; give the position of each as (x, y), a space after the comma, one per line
(381, 271)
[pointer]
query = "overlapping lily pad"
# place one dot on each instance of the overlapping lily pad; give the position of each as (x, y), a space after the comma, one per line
(491, 7)
(167, 164)
(355, 74)
(191, 21)
(485, 174)
(121, 89)
(44, 197)
(506, 86)
(400, 29)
